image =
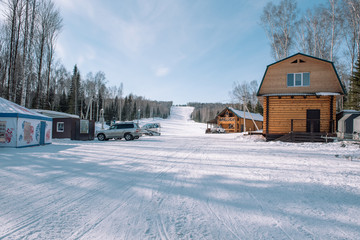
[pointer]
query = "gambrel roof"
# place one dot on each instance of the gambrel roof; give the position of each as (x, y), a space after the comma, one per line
(324, 77)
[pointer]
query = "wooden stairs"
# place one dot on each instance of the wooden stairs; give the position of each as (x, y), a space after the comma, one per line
(304, 137)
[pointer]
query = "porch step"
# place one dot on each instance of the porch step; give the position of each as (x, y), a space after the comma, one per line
(303, 137)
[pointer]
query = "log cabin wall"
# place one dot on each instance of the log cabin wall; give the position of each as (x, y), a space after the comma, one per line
(228, 123)
(250, 126)
(289, 113)
(235, 124)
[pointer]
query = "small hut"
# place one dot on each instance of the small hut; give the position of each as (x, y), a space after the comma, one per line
(70, 126)
(346, 126)
(233, 120)
(356, 128)
(22, 127)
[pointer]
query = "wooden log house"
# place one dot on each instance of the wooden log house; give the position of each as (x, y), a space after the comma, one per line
(232, 120)
(299, 95)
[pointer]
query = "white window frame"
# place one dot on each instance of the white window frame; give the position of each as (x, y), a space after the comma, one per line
(2, 131)
(294, 78)
(57, 127)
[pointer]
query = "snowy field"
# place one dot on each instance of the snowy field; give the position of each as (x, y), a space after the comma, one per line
(183, 184)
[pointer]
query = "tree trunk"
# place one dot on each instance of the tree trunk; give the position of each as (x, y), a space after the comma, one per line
(22, 76)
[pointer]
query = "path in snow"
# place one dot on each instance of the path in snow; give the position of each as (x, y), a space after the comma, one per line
(183, 184)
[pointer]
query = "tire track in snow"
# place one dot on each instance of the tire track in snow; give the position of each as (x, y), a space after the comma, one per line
(223, 221)
(160, 195)
(299, 229)
(102, 217)
(156, 201)
(264, 210)
(48, 194)
(35, 215)
(49, 208)
(227, 223)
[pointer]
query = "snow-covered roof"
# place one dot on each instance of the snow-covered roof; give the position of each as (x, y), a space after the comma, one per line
(10, 109)
(240, 114)
(55, 114)
(349, 111)
(302, 94)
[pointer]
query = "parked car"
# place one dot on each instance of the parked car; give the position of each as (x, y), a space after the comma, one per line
(151, 129)
(218, 129)
(127, 130)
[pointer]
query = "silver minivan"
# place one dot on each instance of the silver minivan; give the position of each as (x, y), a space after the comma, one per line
(127, 130)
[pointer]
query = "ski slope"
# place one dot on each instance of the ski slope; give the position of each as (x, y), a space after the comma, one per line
(183, 184)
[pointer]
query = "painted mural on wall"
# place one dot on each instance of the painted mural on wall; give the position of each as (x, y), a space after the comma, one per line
(9, 135)
(37, 133)
(48, 134)
(7, 132)
(27, 132)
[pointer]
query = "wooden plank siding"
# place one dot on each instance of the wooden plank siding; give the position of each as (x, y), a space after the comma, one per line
(323, 77)
(280, 111)
(237, 122)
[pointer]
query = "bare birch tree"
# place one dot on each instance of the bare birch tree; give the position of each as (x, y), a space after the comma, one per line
(351, 13)
(278, 22)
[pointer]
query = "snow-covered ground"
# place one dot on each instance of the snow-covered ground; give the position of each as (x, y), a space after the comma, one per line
(183, 184)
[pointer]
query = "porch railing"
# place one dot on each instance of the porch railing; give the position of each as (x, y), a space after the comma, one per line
(312, 125)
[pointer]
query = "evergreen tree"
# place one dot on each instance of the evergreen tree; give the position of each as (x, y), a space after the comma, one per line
(198, 116)
(50, 105)
(63, 105)
(147, 110)
(249, 106)
(125, 109)
(115, 110)
(353, 100)
(158, 114)
(258, 108)
(73, 96)
(101, 101)
(134, 112)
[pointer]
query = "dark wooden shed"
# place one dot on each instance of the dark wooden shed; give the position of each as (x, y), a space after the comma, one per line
(70, 126)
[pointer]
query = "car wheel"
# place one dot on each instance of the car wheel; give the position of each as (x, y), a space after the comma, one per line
(101, 137)
(128, 137)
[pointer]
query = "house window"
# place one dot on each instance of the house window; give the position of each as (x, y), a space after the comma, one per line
(84, 126)
(2, 131)
(298, 79)
(290, 80)
(60, 127)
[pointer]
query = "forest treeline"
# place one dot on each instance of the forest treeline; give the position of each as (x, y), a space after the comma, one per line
(32, 77)
(243, 93)
(329, 31)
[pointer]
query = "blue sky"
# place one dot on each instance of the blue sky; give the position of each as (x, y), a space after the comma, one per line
(178, 50)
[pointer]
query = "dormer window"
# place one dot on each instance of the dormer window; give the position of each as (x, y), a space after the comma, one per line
(298, 79)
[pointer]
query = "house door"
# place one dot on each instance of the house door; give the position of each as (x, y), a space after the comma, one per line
(42, 132)
(313, 120)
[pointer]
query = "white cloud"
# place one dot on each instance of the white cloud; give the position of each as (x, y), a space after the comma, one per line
(65, 4)
(162, 71)
(60, 51)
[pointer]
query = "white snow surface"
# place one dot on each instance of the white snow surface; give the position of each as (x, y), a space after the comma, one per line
(184, 184)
